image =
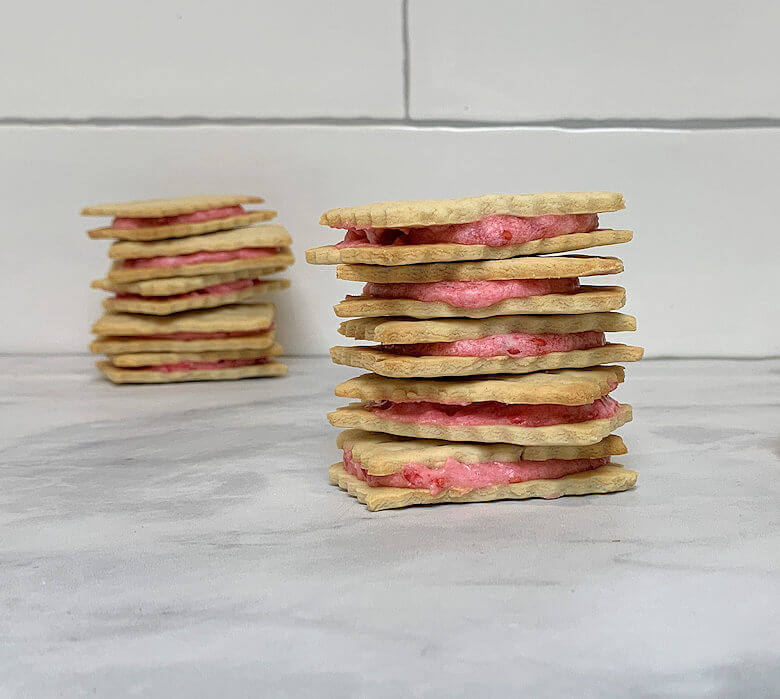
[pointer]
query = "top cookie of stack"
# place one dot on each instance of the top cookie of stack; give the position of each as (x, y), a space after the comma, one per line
(460, 288)
(172, 260)
(488, 227)
(178, 217)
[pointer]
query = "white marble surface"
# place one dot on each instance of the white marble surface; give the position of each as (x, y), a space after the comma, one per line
(184, 541)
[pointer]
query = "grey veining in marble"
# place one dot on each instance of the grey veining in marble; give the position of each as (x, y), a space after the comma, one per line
(183, 541)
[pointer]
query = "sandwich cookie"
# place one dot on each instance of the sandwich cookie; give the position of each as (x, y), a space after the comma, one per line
(234, 327)
(482, 289)
(170, 367)
(157, 219)
(386, 471)
(562, 407)
(495, 345)
(491, 226)
(217, 369)
(258, 248)
(176, 294)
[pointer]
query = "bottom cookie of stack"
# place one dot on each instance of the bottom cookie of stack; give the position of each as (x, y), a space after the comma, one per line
(385, 471)
(230, 342)
(170, 367)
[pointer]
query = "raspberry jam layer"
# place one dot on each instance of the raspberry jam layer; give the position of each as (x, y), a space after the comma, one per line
(474, 294)
(508, 345)
(194, 366)
(198, 258)
(127, 223)
(201, 336)
(493, 413)
(213, 290)
(466, 477)
(496, 231)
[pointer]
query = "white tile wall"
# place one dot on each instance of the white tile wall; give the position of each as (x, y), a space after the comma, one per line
(701, 273)
(514, 60)
(101, 101)
(233, 58)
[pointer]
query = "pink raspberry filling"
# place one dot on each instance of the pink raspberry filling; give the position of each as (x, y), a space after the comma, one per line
(193, 366)
(213, 290)
(496, 231)
(493, 413)
(126, 223)
(467, 477)
(508, 345)
(198, 258)
(201, 336)
(474, 294)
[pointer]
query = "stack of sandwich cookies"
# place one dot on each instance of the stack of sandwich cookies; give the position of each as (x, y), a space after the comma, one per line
(449, 294)
(173, 260)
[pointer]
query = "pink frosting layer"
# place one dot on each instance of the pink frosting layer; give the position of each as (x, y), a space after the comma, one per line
(126, 223)
(474, 294)
(213, 290)
(192, 366)
(493, 413)
(198, 258)
(496, 231)
(467, 477)
(508, 345)
(201, 336)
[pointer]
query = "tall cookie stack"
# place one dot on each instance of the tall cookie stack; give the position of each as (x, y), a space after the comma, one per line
(189, 289)
(492, 374)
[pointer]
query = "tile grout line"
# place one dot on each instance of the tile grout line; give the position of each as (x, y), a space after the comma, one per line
(406, 65)
(698, 124)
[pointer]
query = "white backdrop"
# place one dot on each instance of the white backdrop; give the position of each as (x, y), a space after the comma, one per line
(315, 105)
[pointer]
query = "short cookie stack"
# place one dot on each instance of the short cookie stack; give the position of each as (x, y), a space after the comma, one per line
(188, 284)
(489, 379)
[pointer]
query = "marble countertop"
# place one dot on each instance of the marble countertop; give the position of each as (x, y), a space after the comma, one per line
(183, 540)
